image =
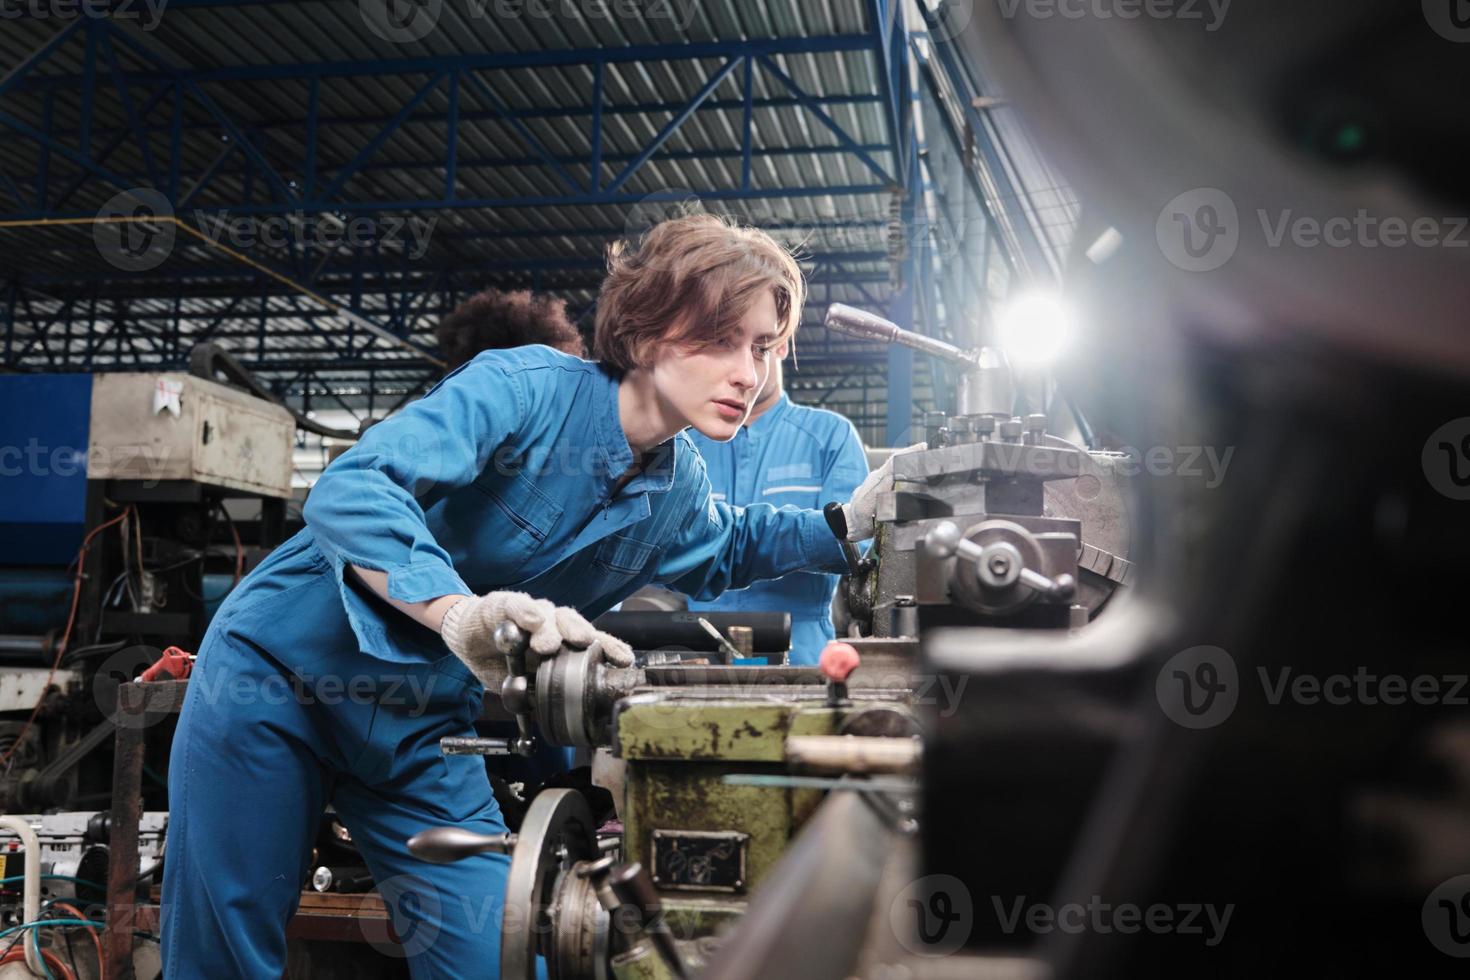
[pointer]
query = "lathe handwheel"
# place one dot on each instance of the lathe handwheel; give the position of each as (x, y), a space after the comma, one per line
(556, 833)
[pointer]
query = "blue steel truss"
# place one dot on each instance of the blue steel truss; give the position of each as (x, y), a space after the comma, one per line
(130, 119)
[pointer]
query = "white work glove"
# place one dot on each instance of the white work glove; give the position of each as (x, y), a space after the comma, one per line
(861, 511)
(470, 625)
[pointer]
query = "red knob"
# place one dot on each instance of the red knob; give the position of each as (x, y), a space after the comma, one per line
(839, 660)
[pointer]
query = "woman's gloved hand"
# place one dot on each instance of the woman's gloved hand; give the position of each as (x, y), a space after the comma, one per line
(470, 624)
(861, 511)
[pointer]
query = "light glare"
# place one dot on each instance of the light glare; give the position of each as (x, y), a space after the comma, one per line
(1034, 328)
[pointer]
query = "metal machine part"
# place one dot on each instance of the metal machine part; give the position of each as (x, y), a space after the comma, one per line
(1048, 517)
(986, 388)
(180, 427)
(647, 631)
(695, 840)
(552, 905)
(997, 567)
(343, 880)
(549, 907)
(74, 846)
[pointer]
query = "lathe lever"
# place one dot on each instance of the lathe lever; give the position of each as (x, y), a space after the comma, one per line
(837, 521)
(445, 845)
(998, 565)
(512, 642)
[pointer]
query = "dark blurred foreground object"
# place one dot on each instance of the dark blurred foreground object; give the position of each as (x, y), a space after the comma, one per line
(1263, 755)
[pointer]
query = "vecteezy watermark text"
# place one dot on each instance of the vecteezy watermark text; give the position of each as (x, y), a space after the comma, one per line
(411, 234)
(1200, 687)
(1103, 918)
(1201, 229)
(37, 459)
(1210, 12)
(147, 13)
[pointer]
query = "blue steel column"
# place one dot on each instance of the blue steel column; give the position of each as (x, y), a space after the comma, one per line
(900, 405)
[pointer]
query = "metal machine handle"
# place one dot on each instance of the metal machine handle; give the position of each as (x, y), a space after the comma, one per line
(997, 566)
(837, 521)
(445, 845)
(634, 888)
(512, 643)
(465, 745)
(868, 326)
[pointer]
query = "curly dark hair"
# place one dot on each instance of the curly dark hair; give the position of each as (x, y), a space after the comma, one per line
(492, 320)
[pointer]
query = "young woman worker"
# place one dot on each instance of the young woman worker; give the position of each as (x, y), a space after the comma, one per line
(528, 485)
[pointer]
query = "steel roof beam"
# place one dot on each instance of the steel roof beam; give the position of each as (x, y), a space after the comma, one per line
(484, 115)
(485, 61)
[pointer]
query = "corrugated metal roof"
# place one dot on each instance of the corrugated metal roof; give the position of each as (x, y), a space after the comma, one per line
(220, 71)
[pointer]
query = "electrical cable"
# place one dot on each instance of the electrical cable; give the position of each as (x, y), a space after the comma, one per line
(138, 545)
(36, 942)
(239, 549)
(71, 619)
(133, 594)
(75, 881)
(96, 939)
(145, 874)
(48, 959)
(95, 650)
(41, 923)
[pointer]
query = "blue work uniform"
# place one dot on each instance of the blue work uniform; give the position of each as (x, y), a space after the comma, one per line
(792, 454)
(309, 689)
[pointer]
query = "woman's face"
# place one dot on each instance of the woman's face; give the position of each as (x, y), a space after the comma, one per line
(713, 386)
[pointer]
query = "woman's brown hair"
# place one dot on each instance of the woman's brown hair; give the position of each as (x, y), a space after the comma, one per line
(690, 281)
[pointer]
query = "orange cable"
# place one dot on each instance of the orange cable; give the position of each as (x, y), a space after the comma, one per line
(75, 913)
(18, 955)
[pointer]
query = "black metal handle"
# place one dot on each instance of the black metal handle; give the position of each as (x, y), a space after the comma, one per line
(837, 521)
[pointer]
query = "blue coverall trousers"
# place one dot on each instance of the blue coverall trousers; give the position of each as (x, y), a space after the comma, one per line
(261, 749)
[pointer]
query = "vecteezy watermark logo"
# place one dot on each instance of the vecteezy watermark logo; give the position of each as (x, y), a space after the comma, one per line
(147, 13)
(1450, 19)
(117, 670)
(932, 916)
(1198, 687)
(1199, 230)
(1446, 459)
(1100, 917)
(1446, 917)
(135, 231)
(400, 21)
(412, 923)
(1211, 12)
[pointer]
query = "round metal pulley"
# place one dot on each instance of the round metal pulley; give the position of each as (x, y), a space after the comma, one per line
(540, 902)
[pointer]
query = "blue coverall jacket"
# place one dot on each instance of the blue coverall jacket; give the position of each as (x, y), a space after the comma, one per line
(791, 455)
(308, 689)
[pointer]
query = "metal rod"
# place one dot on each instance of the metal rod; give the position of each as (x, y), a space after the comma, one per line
(869, 326)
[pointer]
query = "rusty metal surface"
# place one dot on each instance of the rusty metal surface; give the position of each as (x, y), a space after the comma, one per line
(127, 812)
